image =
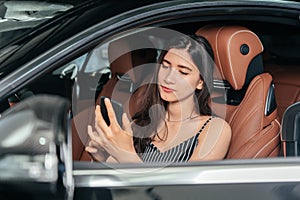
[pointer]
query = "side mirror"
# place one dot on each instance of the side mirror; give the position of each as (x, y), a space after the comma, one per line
(35, 150)
(290, 130)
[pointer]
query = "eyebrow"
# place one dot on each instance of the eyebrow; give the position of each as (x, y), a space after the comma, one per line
(180, 66)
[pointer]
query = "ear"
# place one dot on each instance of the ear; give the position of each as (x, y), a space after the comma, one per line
(200, 85)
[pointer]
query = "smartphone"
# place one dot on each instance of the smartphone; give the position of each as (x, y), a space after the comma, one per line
(117, 106)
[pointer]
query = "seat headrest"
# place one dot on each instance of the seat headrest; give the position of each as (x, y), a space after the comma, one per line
(131, 61)
(234, 49)
(129, 52)
(119, 55)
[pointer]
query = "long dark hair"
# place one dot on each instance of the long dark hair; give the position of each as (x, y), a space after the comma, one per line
(202, 55)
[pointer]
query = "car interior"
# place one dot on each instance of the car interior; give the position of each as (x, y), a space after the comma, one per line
(258, 80)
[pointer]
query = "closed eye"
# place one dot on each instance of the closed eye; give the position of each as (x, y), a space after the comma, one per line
(184, 73)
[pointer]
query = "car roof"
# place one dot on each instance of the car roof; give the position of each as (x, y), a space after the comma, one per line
(18, 17)
(82, 16)
(59, 28)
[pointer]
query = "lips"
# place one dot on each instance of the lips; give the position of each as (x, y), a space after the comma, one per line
(166, 89)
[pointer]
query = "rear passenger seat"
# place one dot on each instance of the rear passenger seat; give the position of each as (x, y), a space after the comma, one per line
(287, 85)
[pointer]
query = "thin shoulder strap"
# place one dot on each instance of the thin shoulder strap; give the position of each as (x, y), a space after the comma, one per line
(201, 129)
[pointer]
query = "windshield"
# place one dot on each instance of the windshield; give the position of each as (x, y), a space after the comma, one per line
(18, 17)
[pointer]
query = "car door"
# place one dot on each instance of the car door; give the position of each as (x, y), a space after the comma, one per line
(267, 178)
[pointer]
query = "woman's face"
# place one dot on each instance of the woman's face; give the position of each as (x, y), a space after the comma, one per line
(178, 76)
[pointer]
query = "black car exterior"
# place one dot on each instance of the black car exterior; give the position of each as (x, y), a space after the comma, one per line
(71, 35)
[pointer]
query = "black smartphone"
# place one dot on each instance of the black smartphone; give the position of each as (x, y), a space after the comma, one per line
(117, 106)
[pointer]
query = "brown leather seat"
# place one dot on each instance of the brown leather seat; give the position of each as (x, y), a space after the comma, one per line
(247, 102)
(130, 67)
(130, 59)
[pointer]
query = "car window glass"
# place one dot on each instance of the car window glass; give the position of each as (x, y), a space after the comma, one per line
(71, 67)
(283, 49)
(94, 73)
(98, 59)
(18, 17)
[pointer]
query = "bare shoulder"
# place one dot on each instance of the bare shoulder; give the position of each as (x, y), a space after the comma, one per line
(220, 129)
(216, 125)
(214, 143)
(221, 123)
(217, 129)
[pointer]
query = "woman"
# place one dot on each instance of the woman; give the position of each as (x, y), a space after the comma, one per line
(182, 128)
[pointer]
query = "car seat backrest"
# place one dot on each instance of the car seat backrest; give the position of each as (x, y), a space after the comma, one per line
(128, 58)
(248, 102)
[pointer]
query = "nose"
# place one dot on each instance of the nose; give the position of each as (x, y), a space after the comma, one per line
(170, 76)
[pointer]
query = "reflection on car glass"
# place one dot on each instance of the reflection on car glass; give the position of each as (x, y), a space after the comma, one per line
(78, 62)
(6, 53)
(32, 10)
(20, 16)
(98, 60)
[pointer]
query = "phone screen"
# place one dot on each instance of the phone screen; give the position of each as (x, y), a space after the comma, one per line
(118, 108)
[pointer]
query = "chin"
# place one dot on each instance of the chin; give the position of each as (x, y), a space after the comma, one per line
(169, 98)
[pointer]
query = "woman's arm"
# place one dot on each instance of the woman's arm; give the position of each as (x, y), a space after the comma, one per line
(213, 142)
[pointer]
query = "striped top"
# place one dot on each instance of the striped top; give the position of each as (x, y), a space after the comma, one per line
(180, 153)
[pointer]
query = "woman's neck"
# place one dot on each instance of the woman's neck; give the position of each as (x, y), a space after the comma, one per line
(181, 110)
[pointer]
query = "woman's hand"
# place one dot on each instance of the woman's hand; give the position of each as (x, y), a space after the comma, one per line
(94, 148)
(116, 141)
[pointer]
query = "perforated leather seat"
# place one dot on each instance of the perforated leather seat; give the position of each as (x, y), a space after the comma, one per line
(246, 99)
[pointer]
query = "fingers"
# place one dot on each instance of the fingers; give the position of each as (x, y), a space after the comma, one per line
(96, 136)
(97, 140)
(91, 149)
(92, 134)
(99, 121)
(126, 124)
(111, 114)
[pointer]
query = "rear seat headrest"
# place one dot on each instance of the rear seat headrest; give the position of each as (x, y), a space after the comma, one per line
(234, 49)
(129, 52)
(140, 46)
